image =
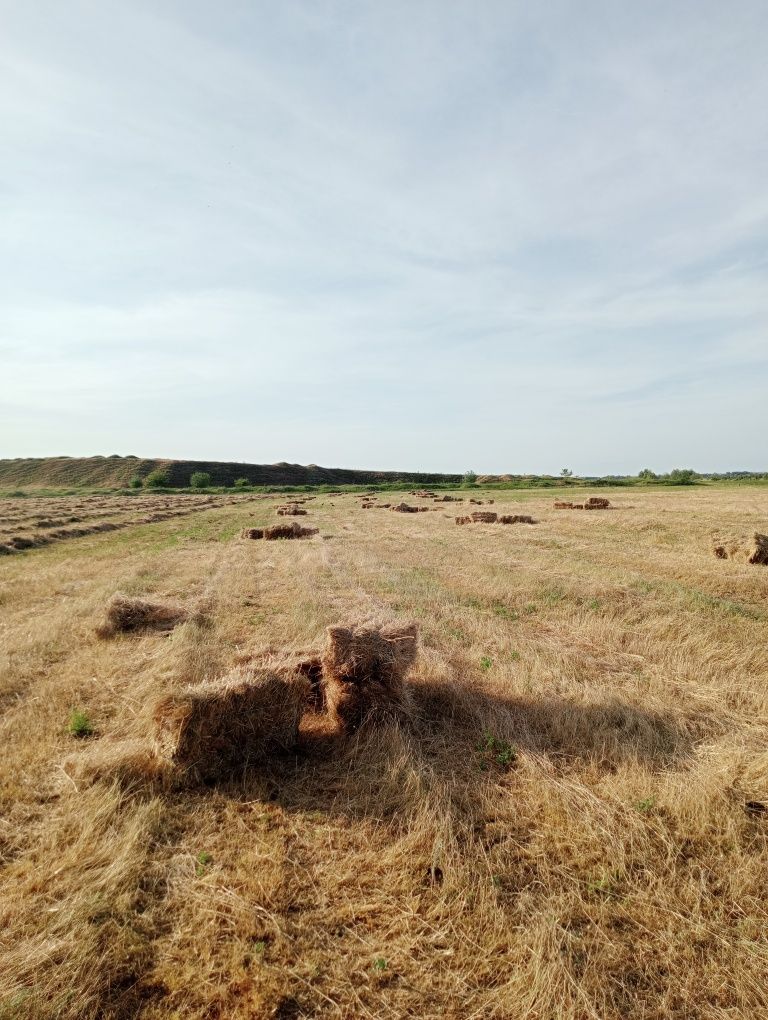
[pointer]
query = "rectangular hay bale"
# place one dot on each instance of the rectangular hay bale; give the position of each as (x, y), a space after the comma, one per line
(213, 729)
(364, 670)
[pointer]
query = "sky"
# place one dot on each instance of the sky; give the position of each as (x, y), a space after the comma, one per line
(440, 236)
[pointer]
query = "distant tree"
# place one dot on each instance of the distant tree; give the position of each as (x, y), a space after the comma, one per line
(682, 476)
(199, 480)
(156, 479)
(240, 483)
(567, 476)
(647, 475)
(469, 478)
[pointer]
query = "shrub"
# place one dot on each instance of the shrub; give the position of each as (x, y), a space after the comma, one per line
(199, 480)
(135, 482)
(79, 724)
(241, 483)
(156, 479)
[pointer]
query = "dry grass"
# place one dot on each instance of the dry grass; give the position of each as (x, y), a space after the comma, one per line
(570, 827)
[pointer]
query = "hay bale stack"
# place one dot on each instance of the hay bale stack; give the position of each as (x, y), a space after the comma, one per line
(252, 533)
(292, 530)
(364, 670)
(596, 503)
(213, 729)
(516, 519)
(126, 615)
(744, 548)
(484, 517)
(463, 520)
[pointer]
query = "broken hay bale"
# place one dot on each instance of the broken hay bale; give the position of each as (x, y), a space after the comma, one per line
(126, 615)
(212, 729)
(404, 508)
(751, 548)
(463, 520)
(364, 670)
(516, 519)
(561, 504)
(596, 503)
(292, 530)
(252, 533)
(291, 511)
(484, 517)
(449, 499)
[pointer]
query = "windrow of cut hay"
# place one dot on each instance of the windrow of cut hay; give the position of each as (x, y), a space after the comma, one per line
(11, 542)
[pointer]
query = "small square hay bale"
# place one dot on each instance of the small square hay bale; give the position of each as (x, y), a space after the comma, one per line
(126, 615)
(751, 548)
(596, 503)
(291, 511)
(252, 533)
(292, 530)
(516, 519)
(561, 504)
(484, 517)
(364, 669)
(213, 729)
(463, 520)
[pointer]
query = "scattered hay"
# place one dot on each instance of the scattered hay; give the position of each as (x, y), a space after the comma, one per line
(364, 670)
(463, 520)
(291, 511)
(596, 503)
(213, 729)
(126, 615)
(127, 762)
(292, 530)
(744, 548)
(449, 499)
(484, 517)
(516, 519)
(252, 533)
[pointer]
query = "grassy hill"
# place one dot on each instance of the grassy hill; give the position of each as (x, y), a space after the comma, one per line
(117, 472)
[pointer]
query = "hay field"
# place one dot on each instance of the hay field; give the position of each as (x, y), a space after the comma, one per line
(573, 826)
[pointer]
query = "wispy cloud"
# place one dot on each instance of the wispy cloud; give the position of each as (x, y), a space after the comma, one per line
(398, 235)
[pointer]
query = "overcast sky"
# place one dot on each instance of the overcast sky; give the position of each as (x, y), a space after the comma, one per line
(506, 236)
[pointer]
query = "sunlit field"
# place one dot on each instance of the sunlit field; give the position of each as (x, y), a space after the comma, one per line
(571, 825)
